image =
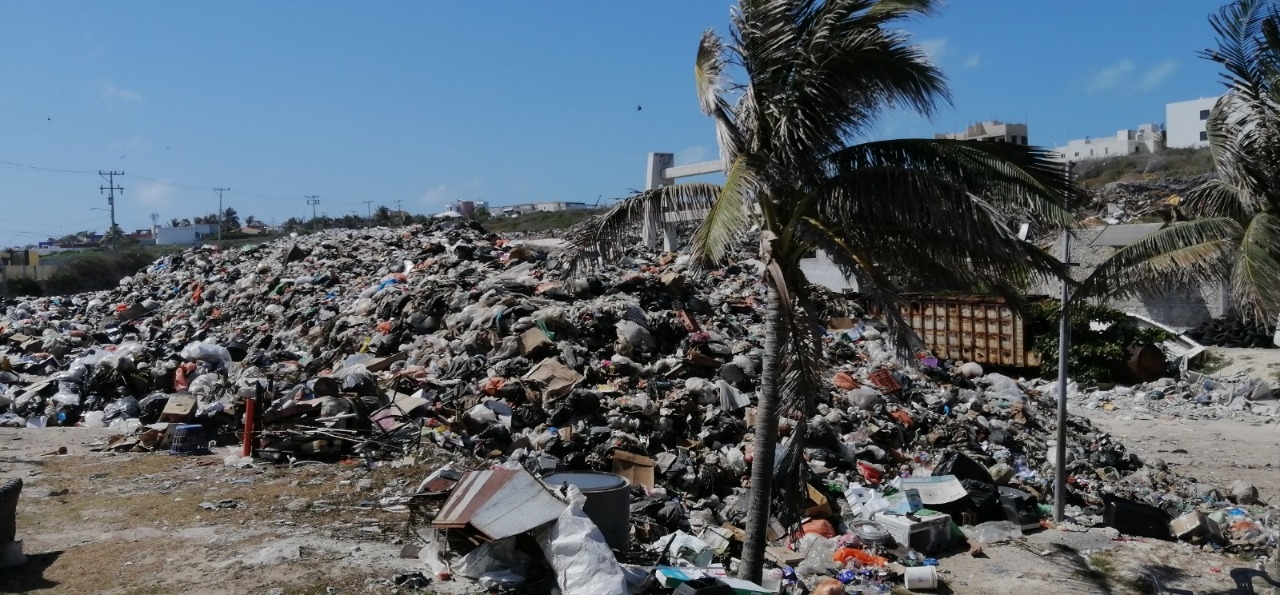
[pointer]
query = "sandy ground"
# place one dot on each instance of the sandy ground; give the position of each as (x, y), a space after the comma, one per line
(133, 523)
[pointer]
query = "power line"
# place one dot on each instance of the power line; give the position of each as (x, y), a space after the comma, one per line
(16, 165)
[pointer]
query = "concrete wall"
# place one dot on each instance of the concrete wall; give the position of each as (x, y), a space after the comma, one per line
(40, 272)
(1184, 122)
(169, 236)
(1178, 307)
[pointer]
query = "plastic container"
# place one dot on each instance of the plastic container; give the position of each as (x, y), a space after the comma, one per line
(920, 577)
(608, 503)
(188, 439)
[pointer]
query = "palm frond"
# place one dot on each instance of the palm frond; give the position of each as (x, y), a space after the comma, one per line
(1177, 255)
(728, 217)
(1217, 197)
(873, 285)
(924, 179)
(709, 80)
(1255, 279)
(1237, 26)
(845, 69)
(603, 233)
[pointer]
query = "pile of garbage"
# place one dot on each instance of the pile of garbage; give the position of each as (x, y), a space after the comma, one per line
(1193, 396)
(606, 419)
(1135, 201)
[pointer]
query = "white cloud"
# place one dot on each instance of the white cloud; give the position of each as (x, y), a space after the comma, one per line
(1112, 76)
(934, 48)
(158, 196)
(696, 154)
(437, 196)
(1157, 74)
(973, 61)
(112, 94)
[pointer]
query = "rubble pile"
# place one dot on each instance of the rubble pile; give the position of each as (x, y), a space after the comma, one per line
(1135, 201)
(1194, 396)
(602, 418)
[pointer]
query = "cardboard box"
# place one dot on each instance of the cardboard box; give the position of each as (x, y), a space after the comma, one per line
(381, 364)
(782, 556)
(532, 340)
(181, 407)
(557, 378)
(1194, 526)
(638, 469)
(816, 504)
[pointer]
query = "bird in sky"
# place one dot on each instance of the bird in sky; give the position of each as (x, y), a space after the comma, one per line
(638, 108)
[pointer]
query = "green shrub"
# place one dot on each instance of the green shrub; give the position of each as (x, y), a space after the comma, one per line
(1094, 355)
(23, 287)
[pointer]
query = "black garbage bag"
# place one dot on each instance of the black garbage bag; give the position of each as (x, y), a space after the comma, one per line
(123, 408)
(985, 500)
(958, 464)
(151, 406)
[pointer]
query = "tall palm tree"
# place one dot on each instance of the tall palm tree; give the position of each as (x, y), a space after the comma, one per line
(1235, 234)
(813, 77)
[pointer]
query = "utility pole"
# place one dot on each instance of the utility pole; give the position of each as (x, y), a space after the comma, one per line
(313, 200)
(111, 188)
(220, 215)
(368, 209)
(1064, 345)
(399, 212)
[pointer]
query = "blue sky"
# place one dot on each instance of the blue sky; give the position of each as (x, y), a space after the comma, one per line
(425, 102)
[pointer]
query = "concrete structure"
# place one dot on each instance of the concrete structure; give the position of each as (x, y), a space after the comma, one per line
(991, 130)
(1178, 307)
(1184, 123)
(26, 264)
(468, 208)
(542, 207)
(1147, 139)
(190, 234)
(661, 170)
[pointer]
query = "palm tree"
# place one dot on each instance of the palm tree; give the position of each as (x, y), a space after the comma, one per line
(230, 220)
(382, 216)
(1234, 235)
(815, 77)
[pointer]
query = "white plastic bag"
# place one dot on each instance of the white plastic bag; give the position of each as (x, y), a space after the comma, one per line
(494, 563)
(207, 352)
(577, 552)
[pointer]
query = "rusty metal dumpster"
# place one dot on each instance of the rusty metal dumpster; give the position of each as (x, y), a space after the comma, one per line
(975, 328)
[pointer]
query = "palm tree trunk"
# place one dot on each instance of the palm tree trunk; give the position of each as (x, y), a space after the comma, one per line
(766, 432)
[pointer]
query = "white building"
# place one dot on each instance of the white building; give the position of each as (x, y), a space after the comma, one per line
(1148, 138)
(543, 207)
(1185, 121)
(991, 130)
(190, 234)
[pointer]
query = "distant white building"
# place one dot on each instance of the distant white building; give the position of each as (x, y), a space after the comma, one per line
(542, 207)
(190, 234)
(991, 130)
(1185, 121)
(1148, 138)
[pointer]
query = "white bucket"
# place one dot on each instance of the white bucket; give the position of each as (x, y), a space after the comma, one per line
(920, 577)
